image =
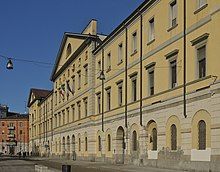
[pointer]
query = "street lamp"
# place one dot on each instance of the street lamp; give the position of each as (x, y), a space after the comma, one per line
(102, 78)
(9, 65)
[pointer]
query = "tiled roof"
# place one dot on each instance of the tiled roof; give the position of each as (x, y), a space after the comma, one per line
(40, 93)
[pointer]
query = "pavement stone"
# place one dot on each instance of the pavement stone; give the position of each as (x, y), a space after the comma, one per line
(97, 166)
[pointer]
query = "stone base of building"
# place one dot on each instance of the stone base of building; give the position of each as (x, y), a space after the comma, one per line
(166, 159)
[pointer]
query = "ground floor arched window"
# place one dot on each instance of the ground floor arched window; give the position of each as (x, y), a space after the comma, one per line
(173, 137)
(202, 135)
(109, 142)
(134, 140)
(154, 139)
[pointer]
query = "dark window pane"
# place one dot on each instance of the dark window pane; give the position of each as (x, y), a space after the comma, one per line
(202, 135)
(202, 68)
(151, 80)
(154, 139)
(173, 73)
(173, 137)
(134, 140)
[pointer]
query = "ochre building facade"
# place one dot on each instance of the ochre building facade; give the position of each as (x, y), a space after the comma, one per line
(120, 98)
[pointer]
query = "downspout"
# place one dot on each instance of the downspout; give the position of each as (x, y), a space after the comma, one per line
(141, 54)
(126, 74)
(184, 60)
(103, 91)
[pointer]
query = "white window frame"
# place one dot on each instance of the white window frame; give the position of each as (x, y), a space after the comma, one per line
(201, 3)
(134, 42)
(173, 13)
(152, 69)
(120, 97)
(108, 61)
(120, 53)
(86, 74)
(151, 34)
(108, 99)
(132, 88)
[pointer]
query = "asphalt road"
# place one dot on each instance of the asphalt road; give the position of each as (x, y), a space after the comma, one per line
(14, 164)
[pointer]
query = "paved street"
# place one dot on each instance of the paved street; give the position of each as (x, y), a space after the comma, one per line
(13, 164)
(9, 164)
(82, 166)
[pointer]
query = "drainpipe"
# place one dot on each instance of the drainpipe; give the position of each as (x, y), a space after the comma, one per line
(103, 91)
(141, 54)
(184, 60)
(126, 75)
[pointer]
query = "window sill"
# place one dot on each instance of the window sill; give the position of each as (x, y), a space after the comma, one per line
(172, 27)
(200, 8)
(134, 52)
(108, 70)
(151, 41)
(120, 62)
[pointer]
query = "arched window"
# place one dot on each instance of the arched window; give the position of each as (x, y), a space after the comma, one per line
(68, 50)
(99, 143)
(173, 137)
(202, 135)
(134, 140)
(109, 142)
(56, 146)
(86, 144)
(154, 139)
(79, 144)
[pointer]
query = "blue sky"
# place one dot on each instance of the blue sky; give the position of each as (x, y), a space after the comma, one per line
(33, 29)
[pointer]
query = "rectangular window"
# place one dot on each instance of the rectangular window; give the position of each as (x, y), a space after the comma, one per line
(173, 8)
(108, 65)
(201, 53)
(79, 79)
(73, 112)
(59, 119)
(55, 97)
(201, 3)
(55, 120)
(79, 110)
(99, 66)
(73, 84)
(151, 82)
(59, 94)
(120, 94)
(86, 55)
(120, 53)
(86, 73)
(86, 106)
(67, 89)
(134, 42)
(173, 74)
(151, 30)
(64, 119)
(108, 99)
(68, 115)
(99, 103)
(134, 88)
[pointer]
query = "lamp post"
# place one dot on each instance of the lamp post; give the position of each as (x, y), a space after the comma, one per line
(9, 65)
(102, 78)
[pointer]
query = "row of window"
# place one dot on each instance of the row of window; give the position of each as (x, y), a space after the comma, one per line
(151, 34)
(62, 118)
(11, 124)
(69, 87)
(152, 140)
(201, 56)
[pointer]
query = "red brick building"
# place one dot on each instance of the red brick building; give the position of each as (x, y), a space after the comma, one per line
(14, 133)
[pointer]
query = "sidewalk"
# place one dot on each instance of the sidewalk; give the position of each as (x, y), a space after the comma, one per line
(98, 166)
